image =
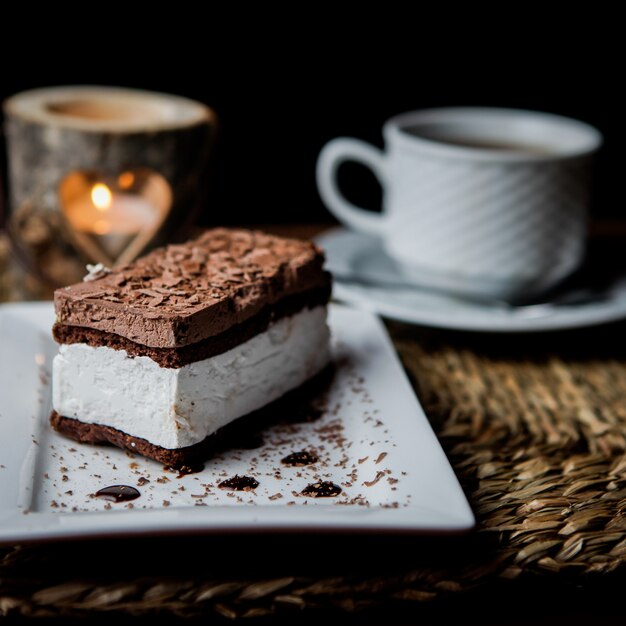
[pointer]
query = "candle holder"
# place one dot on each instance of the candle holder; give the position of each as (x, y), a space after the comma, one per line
(100, 175)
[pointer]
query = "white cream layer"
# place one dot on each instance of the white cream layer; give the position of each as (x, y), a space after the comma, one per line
(177, 407)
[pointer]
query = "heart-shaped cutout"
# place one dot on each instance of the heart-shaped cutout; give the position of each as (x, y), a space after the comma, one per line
(112, 219)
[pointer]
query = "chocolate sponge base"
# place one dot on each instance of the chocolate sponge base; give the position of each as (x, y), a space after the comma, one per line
(298, 405)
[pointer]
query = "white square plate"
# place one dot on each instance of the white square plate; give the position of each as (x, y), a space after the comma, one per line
(372, 439)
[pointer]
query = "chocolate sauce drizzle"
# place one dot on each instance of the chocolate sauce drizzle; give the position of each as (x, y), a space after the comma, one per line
(300, 459)
(118, 493)
(321, 489)
(239, 483)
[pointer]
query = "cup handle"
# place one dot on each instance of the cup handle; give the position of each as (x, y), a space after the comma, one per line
(333, 154)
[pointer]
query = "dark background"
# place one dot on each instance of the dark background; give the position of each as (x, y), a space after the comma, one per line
(280, 98)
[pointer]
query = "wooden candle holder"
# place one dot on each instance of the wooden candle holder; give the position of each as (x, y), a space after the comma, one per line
(100, 174)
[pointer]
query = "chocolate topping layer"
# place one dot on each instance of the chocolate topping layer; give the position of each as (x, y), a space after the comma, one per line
(211, 346)
(184, 293)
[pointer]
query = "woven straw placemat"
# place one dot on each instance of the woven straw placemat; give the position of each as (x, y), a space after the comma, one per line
(535, 428)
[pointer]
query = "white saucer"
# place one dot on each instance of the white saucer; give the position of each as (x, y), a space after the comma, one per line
(366, 277)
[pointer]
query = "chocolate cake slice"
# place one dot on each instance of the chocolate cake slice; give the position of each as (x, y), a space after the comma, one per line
(160, 355)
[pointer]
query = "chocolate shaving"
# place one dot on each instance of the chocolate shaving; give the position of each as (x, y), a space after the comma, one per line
(150, 292)
(371, 483)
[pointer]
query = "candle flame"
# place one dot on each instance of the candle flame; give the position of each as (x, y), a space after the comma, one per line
(101, 196)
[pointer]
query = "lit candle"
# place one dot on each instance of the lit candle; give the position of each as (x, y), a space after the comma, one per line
(114, 217)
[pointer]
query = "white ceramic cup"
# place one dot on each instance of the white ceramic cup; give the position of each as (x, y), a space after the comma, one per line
(476, 200)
